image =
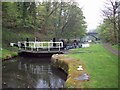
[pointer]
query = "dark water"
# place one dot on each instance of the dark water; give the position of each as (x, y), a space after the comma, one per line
(24, 72)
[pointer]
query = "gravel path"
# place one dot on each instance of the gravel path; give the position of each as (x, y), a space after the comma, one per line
(111, 49)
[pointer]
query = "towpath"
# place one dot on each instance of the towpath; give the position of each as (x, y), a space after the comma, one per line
(111, 49)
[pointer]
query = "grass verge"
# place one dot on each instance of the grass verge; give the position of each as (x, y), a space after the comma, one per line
(101, 65)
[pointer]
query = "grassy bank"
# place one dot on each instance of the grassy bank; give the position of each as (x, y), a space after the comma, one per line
(10, 35)
(101, 65)
(7, 54)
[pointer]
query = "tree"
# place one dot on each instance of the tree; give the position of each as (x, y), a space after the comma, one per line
(9, 14)
(74, 24)
(110, 13)
(47, 19)
(118, 11)
(106, 31)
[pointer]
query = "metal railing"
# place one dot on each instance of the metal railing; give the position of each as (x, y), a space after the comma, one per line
(37, 45)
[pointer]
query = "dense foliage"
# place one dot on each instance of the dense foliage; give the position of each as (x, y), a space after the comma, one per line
(109, 29)
(44, 20)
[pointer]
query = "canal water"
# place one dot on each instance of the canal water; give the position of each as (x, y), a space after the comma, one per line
(24, 72)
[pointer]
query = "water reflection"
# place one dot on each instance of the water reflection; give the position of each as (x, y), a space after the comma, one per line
(31, 73)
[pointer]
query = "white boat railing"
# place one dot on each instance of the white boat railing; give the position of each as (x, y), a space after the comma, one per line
(37, 45)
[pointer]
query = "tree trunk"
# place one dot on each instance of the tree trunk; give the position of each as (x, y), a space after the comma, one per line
(114, 23)
(119, 28)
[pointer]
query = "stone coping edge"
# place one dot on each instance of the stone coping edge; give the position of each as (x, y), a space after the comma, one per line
(70, 65)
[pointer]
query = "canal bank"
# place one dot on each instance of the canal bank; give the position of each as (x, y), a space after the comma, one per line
(29, 72)
(7, 54)
(76, 76)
